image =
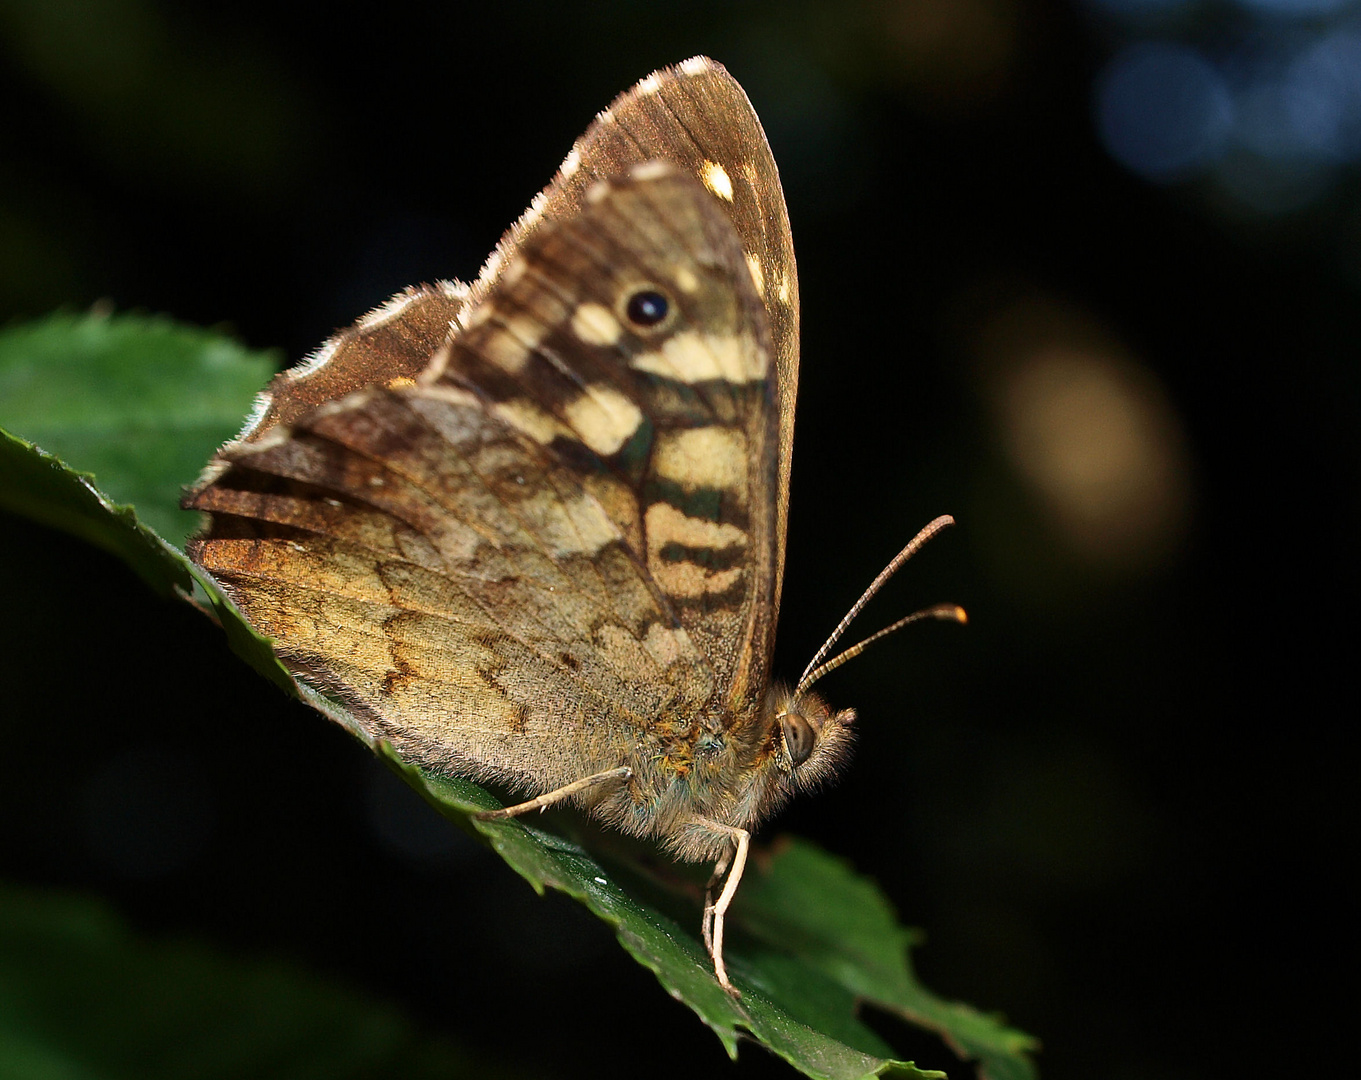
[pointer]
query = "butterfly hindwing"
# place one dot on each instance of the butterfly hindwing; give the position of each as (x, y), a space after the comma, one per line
(459, 593)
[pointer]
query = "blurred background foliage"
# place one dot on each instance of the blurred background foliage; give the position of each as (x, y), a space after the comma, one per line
(1084, 274)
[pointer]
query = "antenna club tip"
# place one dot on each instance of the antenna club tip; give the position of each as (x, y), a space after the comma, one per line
(948, 613)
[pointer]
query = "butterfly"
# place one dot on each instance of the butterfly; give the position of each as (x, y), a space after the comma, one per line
(531, 530)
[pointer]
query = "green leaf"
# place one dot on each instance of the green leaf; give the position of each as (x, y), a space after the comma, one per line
(81, 996)
(39, 486)
(139, 402)
(840, 923)
(812, 940)
(120, 399)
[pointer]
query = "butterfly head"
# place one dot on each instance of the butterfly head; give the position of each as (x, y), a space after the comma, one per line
(812, 739)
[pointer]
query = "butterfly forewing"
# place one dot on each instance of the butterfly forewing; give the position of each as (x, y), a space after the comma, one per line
(671, 426)
(698, 117)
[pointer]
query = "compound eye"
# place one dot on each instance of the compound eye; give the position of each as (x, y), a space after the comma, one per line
(798, 737)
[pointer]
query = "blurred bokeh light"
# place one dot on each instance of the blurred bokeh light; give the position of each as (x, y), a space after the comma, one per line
(1261, 99)
(1090, 430)
(1163, 110)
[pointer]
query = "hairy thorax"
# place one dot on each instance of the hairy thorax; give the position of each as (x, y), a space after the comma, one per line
(683, 786)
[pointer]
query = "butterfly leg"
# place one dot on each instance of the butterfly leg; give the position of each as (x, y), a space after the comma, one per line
(707, 927)
(548, 798)
(734, 861)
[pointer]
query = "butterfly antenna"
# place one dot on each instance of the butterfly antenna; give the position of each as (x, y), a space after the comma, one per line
(816, 669)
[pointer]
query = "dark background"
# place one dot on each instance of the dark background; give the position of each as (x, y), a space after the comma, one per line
(1115, 802)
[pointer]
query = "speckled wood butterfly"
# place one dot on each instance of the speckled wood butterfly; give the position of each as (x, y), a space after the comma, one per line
(532, 530)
